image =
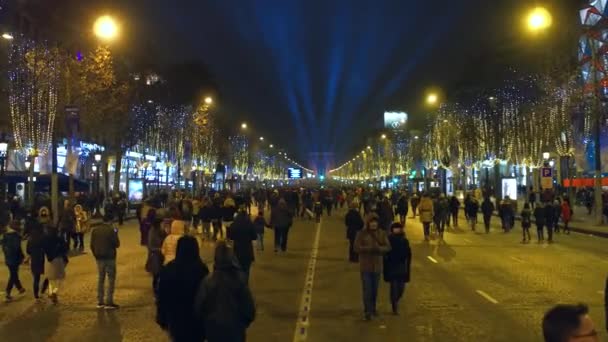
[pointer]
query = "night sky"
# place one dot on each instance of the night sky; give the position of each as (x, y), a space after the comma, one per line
(316, 75)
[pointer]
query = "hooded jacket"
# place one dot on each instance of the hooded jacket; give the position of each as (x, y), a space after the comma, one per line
(169, 247)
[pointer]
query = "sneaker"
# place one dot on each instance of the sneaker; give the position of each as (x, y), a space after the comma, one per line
(111, 306)
(54, 298)
(21, 291)
(368, 317)
(100, 305)
(8, 299)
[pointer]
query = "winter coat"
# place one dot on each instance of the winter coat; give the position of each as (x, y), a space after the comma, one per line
(169, 246)
(425, 209)
(259, 223)
(206, 213)
(242, 233)
(224, 304)
(397, 261)
(281, 217)
(155, 257)
(454, 205)
(104, 242)
(402, 206)
(371, 245)
(67, 223)
(385, 215)
(354, 223)
(81, 221)
(566, 212)
(55, 250)
(526, 218)
(487, 208)
(471, 208)
(11, 247)
(540, 216)
(177, 288)
(228, 213)
(35, 249)
(440, 209)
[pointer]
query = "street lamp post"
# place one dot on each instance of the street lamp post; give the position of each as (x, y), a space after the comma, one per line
(3, 155)
(97, 168)
(29, 165)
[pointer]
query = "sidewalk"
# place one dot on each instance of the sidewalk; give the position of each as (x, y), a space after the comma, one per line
(581, 221)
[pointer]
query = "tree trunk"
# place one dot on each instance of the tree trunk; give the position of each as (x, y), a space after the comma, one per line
(117, 168)
(54, 182)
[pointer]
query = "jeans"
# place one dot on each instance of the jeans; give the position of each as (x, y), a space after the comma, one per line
(369, 283)
(486, 221)
(352, 255)
(550, 231)
(455, 219)
(78, 240)
(13, 279)
(260, 241)
(396, 291)
(36, 287)
(280, 238)
(106, 267)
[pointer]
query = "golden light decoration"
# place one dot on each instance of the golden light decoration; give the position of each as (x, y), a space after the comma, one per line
(538, 19)
(105, 28)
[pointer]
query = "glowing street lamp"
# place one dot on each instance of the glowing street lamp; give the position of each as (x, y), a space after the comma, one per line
(244, 125)
(538, 19)
(432, 98)
(97, 156)
(383, 136)
(7, 36)
(105, 28)
(208, 100)
(261, 138)
(271, 146)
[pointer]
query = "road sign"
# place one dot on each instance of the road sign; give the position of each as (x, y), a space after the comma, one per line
(546, 178)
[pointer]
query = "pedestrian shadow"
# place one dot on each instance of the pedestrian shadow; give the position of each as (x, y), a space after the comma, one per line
(457, 230)
(106, 328)
(445, 252)
(21, 329)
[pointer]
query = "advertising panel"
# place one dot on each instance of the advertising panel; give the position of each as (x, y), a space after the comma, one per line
(395, 120)
(509, 188)
(136, 190)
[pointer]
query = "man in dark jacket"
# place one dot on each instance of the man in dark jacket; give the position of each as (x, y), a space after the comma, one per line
(178, 284)
(281, 220)
(397, 265)
(540, 219)
(242, 233)
(454, 208)
(402, 209)
(354, 223)
(13, 257)
(385, 214)
(487, 208)
(104, 242)
(224, 304)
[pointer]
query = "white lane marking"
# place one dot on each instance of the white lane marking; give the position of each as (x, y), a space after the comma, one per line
(517, 259)
(303, 322)
(432, 259)
(467, 240)
(486, 296)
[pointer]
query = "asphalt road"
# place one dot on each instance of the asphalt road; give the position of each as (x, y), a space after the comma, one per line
(475, 287)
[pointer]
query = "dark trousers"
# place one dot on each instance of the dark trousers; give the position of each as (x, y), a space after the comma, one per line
(217, 228)
(13, 279)
(352, 255)
(36, 287)
(121, 218)
(539, 231)
(246, 267)
(328, 207)
(486, 221)
(455, 219)
(155, 279)
(550, 232)
(427, 228)
(396, 291)
(369, 283)
(526, 232)
(280, 238)
(402, 218)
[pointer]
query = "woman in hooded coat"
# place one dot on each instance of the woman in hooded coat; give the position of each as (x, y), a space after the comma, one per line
(177, 287)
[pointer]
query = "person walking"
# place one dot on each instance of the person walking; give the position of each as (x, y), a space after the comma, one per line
(487, 210)
(441, 211)
(206, 217)
(104, 243)
(454, 207)
(260, 223)
(81, 227)
(371, 244)
(35, 251)
(507, 214)
(540, 219)
(402, 209)
(557, 212)
(178, 284)
(397, 265)
(228, 211)
(526, 222)
(414, 201)
(146, 225)
(216, 217)
(566, 212)
(55, 250)
(169, 247)
(426, 214)
(155, 260)
(354, 223)
(224, 304)
(67, 223)
(242, 233)
(281, 220)
(13, 257)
